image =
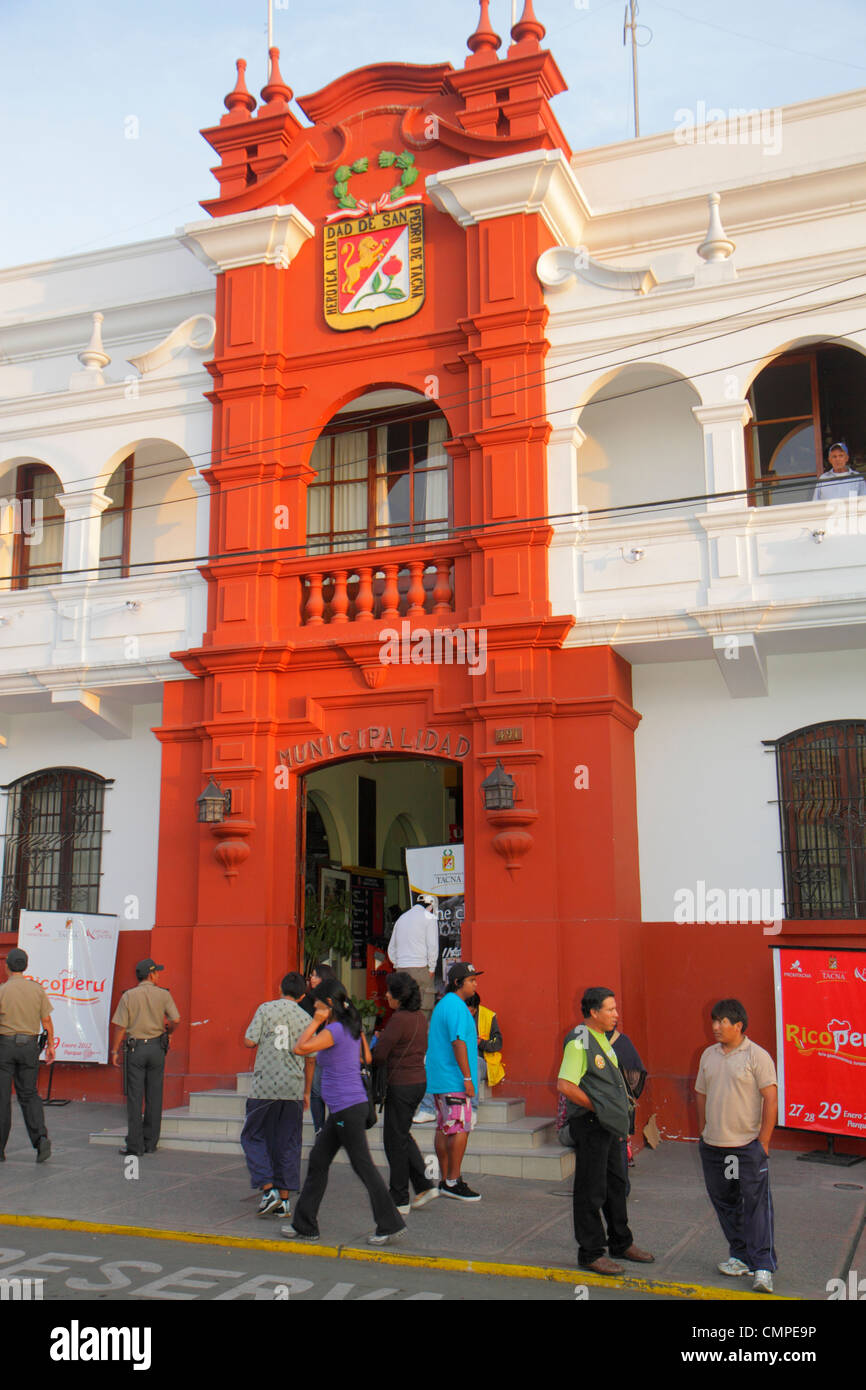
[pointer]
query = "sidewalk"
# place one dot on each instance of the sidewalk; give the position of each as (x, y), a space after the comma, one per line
(820, 1211)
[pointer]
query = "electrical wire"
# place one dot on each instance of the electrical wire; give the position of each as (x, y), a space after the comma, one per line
(305, 435)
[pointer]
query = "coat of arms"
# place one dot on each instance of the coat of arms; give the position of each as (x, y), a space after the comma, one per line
(374, 252)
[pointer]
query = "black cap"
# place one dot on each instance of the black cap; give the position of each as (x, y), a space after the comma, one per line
(144, 968)
(16, 959)
(461, 971)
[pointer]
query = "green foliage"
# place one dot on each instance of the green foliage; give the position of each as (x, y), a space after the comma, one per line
(409, 177)
(326, 929)
(343, 174)
(341, 189)
(360, 166)
(347, 202)
(405, 159)
(370, 1010)
(396, 193)
(386, 159)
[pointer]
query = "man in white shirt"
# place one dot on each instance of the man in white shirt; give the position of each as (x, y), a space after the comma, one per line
(840, 480)
(414, 947)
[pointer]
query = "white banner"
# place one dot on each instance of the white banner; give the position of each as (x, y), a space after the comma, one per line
(438, 869)
(72, 956)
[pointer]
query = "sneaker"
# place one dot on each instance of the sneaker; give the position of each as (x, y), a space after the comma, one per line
(269, 1203)
(424, 1197)
(291, 1234)
(404, 1208)
(388, 1238)
(43, 1150)
(284, 1208)
(734, 1267)
(460, 1191)
(425, 1117)
(763, 1281)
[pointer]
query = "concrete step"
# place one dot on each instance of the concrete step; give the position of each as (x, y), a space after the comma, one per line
(232, 1105)
(524, 1133)
(549, 1162)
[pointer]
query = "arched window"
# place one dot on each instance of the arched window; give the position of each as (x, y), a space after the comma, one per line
(822, 804)
(117, 523)
(801, 404)
(38, 556)
(382, 478)
(53, 843)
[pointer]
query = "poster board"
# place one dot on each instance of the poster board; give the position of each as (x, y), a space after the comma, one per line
(72, 955)
(438, 870)
(821, 1039)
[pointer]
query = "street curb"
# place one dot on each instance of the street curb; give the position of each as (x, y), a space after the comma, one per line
(441, 1263)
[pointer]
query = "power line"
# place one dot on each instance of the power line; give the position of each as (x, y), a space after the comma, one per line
(756, 38)
(458, 397)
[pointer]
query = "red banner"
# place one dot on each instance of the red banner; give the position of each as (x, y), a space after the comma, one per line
(821, 1039)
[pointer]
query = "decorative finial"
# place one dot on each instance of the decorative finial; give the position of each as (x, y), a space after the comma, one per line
(94, 357)
(716, 246)
(485, 41)
(239, 96)
(275, 90)
(528, 27)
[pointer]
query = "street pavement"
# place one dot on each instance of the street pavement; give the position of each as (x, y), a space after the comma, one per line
(820, 1213)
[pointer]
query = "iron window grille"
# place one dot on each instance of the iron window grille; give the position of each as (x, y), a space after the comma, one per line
(821, 773)
(53, 853)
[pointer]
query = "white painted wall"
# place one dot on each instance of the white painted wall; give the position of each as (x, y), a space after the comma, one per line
(131, 807)
(705, 784)
(643, 444)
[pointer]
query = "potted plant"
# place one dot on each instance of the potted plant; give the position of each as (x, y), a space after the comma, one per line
(327, 929)
(370, 1010)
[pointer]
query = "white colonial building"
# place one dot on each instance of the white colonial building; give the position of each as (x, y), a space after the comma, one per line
(104, 431)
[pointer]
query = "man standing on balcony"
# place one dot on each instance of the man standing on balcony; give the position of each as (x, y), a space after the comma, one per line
(840, 480)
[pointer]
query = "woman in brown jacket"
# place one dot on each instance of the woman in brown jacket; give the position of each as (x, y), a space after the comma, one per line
(400, 1048)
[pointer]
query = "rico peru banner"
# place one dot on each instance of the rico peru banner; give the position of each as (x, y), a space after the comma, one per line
(821, 1039)
(72, 956)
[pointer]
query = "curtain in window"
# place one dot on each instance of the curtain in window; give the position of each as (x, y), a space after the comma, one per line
(350, 496)
(47, 549)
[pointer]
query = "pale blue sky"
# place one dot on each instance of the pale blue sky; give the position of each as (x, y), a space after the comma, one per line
(74, 71)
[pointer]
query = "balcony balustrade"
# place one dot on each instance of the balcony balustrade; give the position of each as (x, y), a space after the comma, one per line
(382, 592)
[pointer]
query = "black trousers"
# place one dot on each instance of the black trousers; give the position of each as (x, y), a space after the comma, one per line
(599, 1187)
(403, 1154)
(145, 1065)
(19, 1062)
(346, 1128)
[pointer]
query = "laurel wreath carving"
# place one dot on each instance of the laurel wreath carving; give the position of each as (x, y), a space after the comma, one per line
(405, 162)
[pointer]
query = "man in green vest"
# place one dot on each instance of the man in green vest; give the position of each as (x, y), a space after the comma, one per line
(599, 1112)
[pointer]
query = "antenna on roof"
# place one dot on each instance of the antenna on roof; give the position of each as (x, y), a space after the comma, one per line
(631, 23)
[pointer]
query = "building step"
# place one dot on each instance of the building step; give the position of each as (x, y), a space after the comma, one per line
(524, 1133)
(549, 1162)
(232, 1105)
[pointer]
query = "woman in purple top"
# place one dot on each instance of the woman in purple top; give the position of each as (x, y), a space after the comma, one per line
(338, 1050)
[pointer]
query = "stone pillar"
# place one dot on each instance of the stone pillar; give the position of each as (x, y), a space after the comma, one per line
(725, 451)
(83, 508)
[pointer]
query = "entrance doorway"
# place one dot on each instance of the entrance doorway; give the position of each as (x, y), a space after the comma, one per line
(361, 815)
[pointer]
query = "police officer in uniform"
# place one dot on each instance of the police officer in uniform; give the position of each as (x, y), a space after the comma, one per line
(24, 1013)
(143, 1019)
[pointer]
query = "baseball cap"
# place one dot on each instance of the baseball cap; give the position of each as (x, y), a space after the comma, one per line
(144, 968)
(461, 971)
(843, 447)
(17, 959)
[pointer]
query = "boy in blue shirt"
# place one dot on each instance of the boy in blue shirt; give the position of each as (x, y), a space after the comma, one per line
(452, 1076)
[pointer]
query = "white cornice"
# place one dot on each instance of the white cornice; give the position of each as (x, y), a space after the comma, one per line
(540, 181)
(61, 265)
(265, 236)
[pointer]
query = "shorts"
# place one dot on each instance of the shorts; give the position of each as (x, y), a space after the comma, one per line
(453, 1113)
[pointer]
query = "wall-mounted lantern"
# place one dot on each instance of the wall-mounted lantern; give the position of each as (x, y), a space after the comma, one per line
(497, 789)
(214, 804)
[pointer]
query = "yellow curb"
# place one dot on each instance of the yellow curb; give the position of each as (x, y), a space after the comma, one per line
(437, 1263)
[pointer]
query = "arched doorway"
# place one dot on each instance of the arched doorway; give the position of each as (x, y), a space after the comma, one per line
(382, 806)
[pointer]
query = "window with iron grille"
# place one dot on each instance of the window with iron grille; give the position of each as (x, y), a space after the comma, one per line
(822, 805)
(53, 843)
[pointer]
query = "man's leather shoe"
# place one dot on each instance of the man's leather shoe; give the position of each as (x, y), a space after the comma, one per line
(129, 1153)
(604, 1266)
(43, 1150)
(640, 1257)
